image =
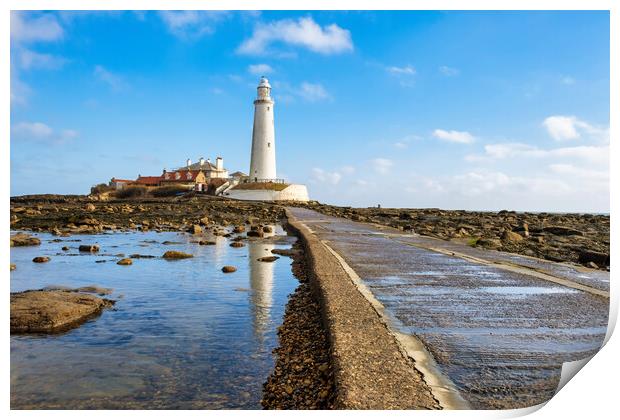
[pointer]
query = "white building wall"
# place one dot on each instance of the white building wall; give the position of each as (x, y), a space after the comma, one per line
(294, 192)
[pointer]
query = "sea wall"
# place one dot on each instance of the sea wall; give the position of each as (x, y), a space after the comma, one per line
(370, 369)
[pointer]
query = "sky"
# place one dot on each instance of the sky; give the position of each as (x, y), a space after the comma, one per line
(457, 110)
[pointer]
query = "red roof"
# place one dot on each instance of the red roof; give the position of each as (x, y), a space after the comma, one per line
(121, 180)
(148, 180)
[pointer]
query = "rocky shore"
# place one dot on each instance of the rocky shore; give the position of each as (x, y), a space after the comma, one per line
(574, 238)
(302, 377)
(66, 215)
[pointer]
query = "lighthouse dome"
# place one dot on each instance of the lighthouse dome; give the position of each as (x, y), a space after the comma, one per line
(264, 82)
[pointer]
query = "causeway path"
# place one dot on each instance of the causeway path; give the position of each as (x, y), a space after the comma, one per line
(498, 326)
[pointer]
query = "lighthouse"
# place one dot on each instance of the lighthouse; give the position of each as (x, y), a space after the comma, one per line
(263, 159)
(261, 184)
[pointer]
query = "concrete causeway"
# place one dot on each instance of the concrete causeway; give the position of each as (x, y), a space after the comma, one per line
(485, 329)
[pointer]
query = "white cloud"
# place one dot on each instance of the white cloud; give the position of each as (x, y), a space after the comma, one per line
(321, 176)
(32, 129)
(188, 24)
(32, 60)
(39, 131)
(304, 32)
(453, 136)
(382, 165)
(407, 70)
(115, 82)
(405, 75)
(313, 92)
(260, 69)
(598, 155)
(569, 127)
(449, 71)
(33, 29)
(562, 127)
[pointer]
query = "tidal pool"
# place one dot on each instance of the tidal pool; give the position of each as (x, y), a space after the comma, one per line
(182, 335)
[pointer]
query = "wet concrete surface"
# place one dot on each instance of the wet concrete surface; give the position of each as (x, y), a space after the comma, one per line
(498, 334)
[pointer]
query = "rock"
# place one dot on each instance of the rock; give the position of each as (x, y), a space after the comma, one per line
(65, 248)
(562, 230)
(237, 244)
(39, 311)
(176, 255)
(125, 261)
(599, 258)
(285, 252)
(204, 220)
(89, 248)
(23, 239)
(13, 267)
(90, 207)
(593, 265)
(195, 230)
(239, 229)
(267, 229)
(509, 236)
(207, 243)
(138, 256)
(491, 243)
(270, 258)
(229, 269)
(256, 233)
(40, 259)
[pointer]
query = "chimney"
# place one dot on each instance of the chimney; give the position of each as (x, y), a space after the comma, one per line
(219, 163)
(202, 161)
(189, 162)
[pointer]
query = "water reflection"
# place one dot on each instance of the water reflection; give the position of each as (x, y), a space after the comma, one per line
(261, 285)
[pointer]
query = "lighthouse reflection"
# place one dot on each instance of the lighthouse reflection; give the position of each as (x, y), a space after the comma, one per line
(261, 286)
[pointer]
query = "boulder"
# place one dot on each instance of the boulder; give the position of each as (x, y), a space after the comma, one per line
(40, 259)
(491, 243)
(237, 244)
(229, 269)
(90, 207)
(89, 248)
(176, 255)
(125, 261)
(195, 230)
(40, 311)
(13, 267)
(562, 230)
(601, 259)
(509, 236)
(23, 239)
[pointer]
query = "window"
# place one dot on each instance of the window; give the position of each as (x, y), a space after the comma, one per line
(267, 108)
(268, 144)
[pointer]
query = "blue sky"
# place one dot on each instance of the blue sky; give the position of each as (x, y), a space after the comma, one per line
(471, 110)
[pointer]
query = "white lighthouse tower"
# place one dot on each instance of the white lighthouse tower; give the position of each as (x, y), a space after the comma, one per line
(261, 183)
(263, 160)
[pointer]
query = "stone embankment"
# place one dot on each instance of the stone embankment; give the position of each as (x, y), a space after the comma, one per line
(575, 238)
(370, 370)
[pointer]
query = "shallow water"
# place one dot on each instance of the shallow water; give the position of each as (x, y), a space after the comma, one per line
(181, 335)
